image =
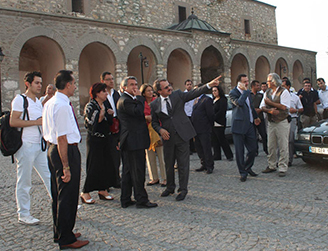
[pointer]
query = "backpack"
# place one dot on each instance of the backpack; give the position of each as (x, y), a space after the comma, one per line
(11, 137)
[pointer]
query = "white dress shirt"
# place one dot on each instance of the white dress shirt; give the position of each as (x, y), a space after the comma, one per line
(323, 96)
(284, 98)
(163, 104)
(111, 101)
(188, 106)
(58, 120)
(295, 102)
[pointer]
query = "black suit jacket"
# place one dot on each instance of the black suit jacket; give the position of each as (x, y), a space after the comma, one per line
(202, 116)
(240, 111)
(134, 134)
(178, 122)
(116, 97)
(220, 110)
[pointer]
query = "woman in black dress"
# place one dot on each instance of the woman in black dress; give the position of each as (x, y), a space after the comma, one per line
(220, 110)
(100, 167)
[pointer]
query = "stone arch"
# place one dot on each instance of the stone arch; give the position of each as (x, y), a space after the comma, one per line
(95, 58)
(179, 68)
(42, 54)
(179, 45)
(207, 44)
(144, 71)
(38, 31)
(239, 65)
(89, 38)
(262, 68)
(241, 51)
(141, 41)
(211, 64)
(281, 67)
(298, 74)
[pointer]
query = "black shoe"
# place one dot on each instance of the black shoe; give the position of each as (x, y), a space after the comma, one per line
(163, 185)
(216, 158)
(147, 205)
(269, 170)
(127, 204)
(166, 193)
(200, 169)
(243, 178)
(181, 196)
(251, 173)
(209, 171)
(230, 159)
(289, 163)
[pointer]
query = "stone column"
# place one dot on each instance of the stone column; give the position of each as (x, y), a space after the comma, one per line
(196, 76)
(121, 71)
(73, 65)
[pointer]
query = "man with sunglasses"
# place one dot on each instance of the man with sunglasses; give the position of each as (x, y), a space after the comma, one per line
(171, 122)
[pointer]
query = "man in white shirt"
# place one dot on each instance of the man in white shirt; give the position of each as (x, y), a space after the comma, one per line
(30, 154)
(62, 132)
(323, 96)
(295, 108)
(188, 110)
(276, 103)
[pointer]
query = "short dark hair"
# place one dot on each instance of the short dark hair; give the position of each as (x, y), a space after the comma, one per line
(96, 88)
(264, 83)
(288, 83)
(240, 76)
(103, 75)
(62, 78)
(321, 79)
(188, 80)
(307, 82)
(29, 77)
(306, 79)
(254, 83)
(157, 84)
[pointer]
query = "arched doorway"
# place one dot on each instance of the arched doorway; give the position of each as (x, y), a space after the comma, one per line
(40, 54)
(262, 69)
(95, 58)
(179, 68)
(298, 75)
(211, 64)
(149, 63)
(281, 68)
(239, 65)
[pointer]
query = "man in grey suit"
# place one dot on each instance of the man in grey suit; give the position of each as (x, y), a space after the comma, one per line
(172, 123)
(244, 117)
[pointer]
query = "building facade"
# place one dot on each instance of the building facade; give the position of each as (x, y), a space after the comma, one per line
(140, 38)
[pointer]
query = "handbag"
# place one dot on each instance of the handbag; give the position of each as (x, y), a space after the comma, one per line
(115, 127)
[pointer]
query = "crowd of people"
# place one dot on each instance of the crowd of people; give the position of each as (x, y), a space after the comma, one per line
(136, 125)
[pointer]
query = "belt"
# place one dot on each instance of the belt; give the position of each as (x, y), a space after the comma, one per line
(74, 144)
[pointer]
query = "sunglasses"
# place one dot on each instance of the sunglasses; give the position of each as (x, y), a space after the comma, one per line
(167, 87)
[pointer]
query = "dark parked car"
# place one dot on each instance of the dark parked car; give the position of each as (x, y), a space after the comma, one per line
(311, 143)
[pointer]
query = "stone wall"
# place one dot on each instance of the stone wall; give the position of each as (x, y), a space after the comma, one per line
(227, 16)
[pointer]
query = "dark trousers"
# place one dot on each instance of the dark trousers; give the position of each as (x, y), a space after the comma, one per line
(241, 141)
(116, 156)
(261, 128)
(176, 149)
(191, 142)
(64, 195)
(219, 140)
(204, 150)
(133, 176)
(325, 114)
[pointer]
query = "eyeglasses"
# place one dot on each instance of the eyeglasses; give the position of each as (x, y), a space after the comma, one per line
(167, 87)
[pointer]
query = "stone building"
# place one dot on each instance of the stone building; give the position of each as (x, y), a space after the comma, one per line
(225, 37)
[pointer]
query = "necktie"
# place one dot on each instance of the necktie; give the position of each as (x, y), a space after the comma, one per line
(168, 107)
(77, 124)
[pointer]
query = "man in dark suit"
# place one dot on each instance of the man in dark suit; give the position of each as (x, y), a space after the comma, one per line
(244, 117)
(134, 139)
(202, 118)
(172, 123)
(111, 102)
(257, 97)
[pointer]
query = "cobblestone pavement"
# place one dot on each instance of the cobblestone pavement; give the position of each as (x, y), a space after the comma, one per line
(220, 213)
